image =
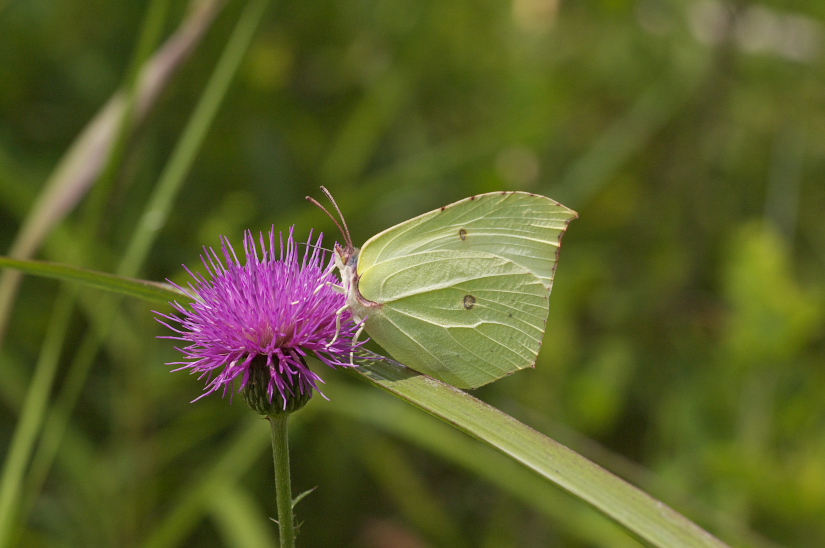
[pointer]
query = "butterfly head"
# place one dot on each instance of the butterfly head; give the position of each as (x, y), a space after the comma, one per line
(346, 256)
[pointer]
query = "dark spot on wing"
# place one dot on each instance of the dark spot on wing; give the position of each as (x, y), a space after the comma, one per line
(469, 301)
(462, 234)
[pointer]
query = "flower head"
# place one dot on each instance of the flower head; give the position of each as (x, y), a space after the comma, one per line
(259, 320)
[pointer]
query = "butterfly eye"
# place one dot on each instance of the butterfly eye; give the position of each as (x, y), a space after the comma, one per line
(462, 234)
(469, 301)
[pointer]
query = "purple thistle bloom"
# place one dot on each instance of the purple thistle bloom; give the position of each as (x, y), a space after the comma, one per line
(270, 311)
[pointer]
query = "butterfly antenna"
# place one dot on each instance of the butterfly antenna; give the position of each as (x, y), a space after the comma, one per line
(347, 237)
(344, 229)
(325, 210)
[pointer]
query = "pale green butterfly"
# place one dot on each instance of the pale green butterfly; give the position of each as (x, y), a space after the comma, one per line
(460, 293)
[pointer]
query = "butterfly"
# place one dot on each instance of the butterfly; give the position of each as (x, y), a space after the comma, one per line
(460, 293)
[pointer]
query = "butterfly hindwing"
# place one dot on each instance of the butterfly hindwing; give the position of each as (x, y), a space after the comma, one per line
(467, 318)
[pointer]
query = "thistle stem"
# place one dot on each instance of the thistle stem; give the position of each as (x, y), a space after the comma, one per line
(283, 487)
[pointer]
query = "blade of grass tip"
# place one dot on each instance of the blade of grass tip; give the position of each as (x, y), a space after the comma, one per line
(649, 519)
(31, 415)
(82, 163)
(174, 174)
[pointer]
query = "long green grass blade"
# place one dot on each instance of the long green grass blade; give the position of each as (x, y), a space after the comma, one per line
(646, 517)
(381, 411)
(130, 287)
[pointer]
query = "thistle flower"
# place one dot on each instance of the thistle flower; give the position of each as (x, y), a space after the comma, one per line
(258, 321)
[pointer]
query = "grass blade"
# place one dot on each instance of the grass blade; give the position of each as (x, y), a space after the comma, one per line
(130, 287)
(644, 516)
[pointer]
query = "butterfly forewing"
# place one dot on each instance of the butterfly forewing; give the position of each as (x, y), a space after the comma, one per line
(523, 228)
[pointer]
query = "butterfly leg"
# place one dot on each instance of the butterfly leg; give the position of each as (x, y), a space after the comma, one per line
(355, 342)
(335, 287)
(337, 324)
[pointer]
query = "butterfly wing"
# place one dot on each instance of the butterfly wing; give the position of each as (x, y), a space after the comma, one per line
(461, 293)
(467, 318)
(523, 228)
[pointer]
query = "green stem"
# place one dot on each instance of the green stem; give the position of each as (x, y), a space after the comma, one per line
(283, 487)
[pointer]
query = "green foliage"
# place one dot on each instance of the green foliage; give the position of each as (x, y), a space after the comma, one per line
(687, 314)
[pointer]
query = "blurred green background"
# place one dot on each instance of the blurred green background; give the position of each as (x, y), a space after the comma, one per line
(684, 349)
